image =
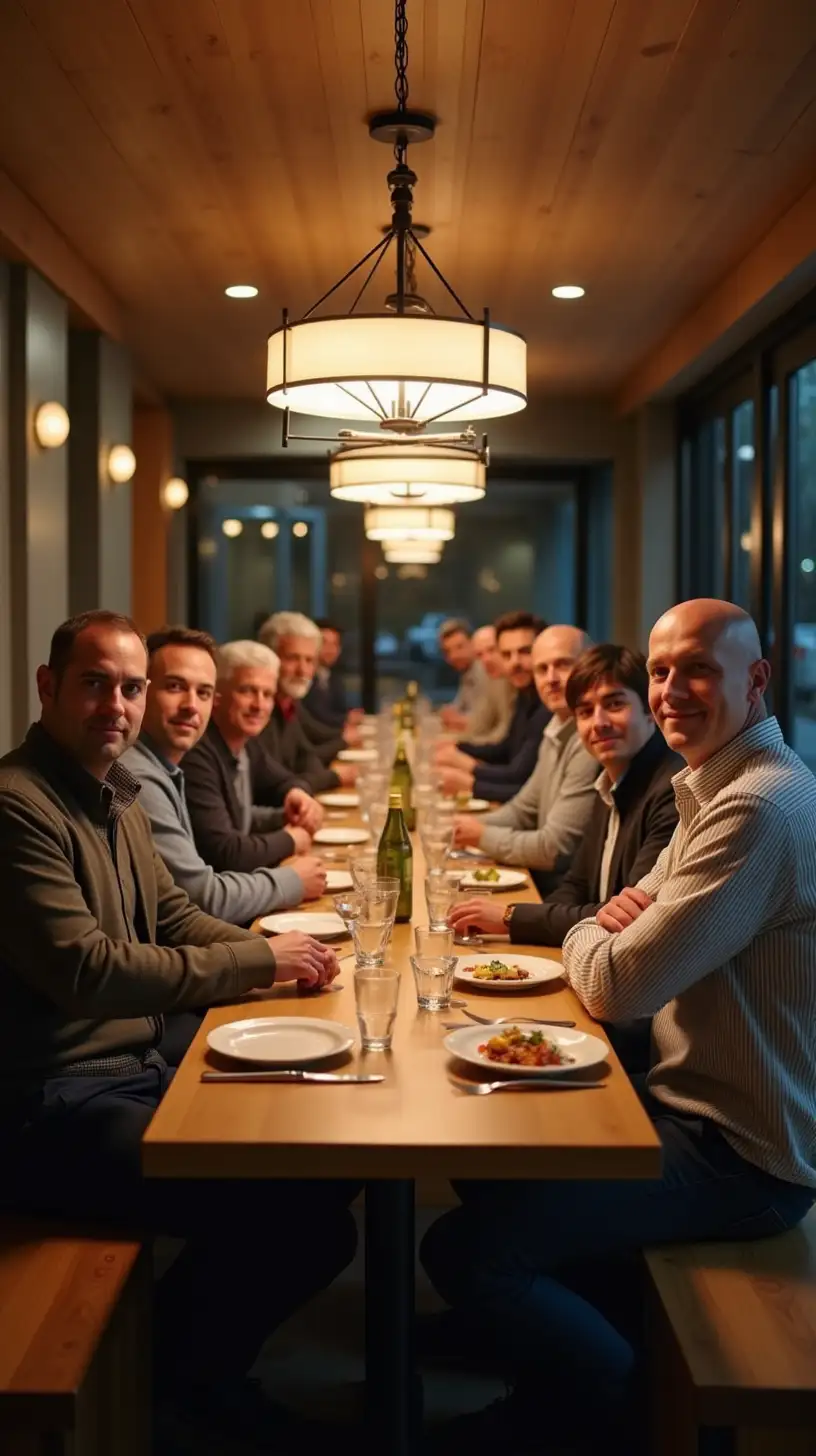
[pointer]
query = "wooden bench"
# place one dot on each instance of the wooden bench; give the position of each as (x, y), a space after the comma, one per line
(74, 1345)
(735, 1344)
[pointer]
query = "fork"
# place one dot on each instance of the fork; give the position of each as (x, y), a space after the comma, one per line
(530, 1084)
(511, 1020)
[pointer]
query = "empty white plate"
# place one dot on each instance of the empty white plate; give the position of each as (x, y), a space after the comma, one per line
(538, 968)
(281, 1041)
(340, 801)
(358, 755)
(337, 880)
(508, 880)
(473, 806)
(341, 836)
(583, 1049)
(323, 925)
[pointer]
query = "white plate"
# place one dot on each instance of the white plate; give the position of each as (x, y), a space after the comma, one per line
(340, 801)
(473, 806)
(281, 1041)
(585, 1050)
(540, 969)
(337, 880)
(508, 880)
(358, 755)
(322, 924)
(341, 836)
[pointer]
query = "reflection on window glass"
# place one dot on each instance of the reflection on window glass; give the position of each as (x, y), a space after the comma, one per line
(250, 579)
(742, 458)
(803, 461)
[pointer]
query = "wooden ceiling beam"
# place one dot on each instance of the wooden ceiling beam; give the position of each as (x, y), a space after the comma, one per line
(27, 236)
(775, 273)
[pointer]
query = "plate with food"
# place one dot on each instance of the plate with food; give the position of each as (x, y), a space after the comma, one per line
(340, 801)
(526, 1051)
(490, 877)
(506, 972)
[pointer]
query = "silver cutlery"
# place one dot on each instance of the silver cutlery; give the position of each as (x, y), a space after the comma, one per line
(530, 1084)
(290, 1076)
(511, 1020)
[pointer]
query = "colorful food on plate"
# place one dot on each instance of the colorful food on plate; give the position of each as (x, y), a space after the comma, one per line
(497, 971)
(517, 1048)
(487, 877)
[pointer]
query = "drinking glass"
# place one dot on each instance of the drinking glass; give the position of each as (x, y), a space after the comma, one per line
(436, 843)
(348, 905)
(441, 890)
(370, 931)
(363, 868)
(381, 894)
(377, 815)
(433, 976)
(432, 940)
(376, 989)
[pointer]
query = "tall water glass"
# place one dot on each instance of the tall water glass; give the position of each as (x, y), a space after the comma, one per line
(376, 991)
(441, 891)
(436, 843)
(363, 868)
(433, 941)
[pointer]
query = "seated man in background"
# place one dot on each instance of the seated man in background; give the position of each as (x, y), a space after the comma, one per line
(326, 698)
(248, 812)
(97, 945)
(634, 814)
(180, 694)
(718, 944)
(498, 770)
(543, 825)
(456, 645)
(489, 720)
(292, 735)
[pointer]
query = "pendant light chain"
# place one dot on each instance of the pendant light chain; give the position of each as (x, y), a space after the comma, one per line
(401, 67)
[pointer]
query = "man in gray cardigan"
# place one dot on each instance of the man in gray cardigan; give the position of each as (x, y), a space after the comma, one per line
(542, 827)
(180, 694)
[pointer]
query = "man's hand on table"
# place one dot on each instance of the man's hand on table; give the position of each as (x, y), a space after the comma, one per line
(623, 909)
(302, 810)
(300, 958)
(300, 839)
(352, 735)
(312, 873)
(453, 720)
(455, 781)
(447, 755)
(480, 913)
(346, 773)
(467, 830)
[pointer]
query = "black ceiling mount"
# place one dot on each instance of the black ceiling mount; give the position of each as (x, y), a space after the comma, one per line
(401, 127)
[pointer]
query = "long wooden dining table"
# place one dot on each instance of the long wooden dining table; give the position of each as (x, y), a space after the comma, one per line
(417, 1124)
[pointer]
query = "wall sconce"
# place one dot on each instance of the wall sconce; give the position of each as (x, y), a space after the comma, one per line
(269, 530)
(175, 493)
(51, 425)
(232, 527)
(121, 464)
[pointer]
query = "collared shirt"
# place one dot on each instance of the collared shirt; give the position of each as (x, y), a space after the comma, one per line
(606, 791)
(542, 825)
(725, 957)
(471, 686)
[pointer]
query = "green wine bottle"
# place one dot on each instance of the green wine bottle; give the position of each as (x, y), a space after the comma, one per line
(395, 858)
(402, 782)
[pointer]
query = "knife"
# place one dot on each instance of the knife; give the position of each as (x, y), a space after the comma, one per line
(288, 1076)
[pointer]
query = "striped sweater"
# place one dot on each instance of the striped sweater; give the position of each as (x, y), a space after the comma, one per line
(725, 958)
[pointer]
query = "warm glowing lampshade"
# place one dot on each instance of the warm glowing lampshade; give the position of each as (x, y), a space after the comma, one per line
(392, 366)
(409, 523)
(416, 553)
(121, 464)
(232, 527)
(175, 493)
(433, 475)
(51, 425)
(269, 530)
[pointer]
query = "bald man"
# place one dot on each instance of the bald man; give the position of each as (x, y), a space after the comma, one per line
(718, 944)
(543, 825)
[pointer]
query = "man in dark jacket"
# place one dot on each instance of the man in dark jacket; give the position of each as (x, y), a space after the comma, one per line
(326, 698)
(97, 945)
(246, 808)
(293, 737)
(635, 813)
(498, 770)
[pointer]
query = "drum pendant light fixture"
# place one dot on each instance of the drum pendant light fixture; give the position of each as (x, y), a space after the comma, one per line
(404, 368)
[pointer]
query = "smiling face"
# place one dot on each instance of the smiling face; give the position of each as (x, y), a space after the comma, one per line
(244, 704)
(613, 724)
(515, 650)
(94, 708)
(707, 677)
(457, 650)
(179, 698)
(486, 651)
(555, 653)
(298, 664)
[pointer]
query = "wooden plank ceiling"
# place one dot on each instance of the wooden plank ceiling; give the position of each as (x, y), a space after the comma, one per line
(638, 147)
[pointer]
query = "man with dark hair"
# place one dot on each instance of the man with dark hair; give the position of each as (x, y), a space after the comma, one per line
(498, 770)
(180, 695)
(326, 698)
(97, 946)
(456, 645)
(634, 815)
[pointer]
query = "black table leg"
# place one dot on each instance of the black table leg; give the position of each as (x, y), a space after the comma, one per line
(392, 1387)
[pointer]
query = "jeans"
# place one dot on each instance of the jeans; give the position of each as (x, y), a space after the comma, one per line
(540, 1266)
(254, 1251)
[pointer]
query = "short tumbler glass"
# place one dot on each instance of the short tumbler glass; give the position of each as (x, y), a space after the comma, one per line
(434, 980)
(371, 932)
(433, 941)
(376, 991)
(441, 891)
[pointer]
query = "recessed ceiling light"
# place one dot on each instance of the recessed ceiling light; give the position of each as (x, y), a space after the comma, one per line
(568, 290)
(241, 290)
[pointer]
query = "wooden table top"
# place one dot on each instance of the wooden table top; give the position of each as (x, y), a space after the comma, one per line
(416, 1123)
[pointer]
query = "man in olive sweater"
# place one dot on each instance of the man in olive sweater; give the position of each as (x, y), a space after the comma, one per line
(97, 945)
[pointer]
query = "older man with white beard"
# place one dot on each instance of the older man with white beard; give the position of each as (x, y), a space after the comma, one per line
(291, 737)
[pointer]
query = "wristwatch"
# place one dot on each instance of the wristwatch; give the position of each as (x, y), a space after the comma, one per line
(508, 915)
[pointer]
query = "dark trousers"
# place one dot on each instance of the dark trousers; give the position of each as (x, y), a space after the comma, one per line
(254, 1251)
(542, 1265)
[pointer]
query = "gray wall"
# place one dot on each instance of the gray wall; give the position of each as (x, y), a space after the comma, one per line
(37, 371)
(100, 395)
